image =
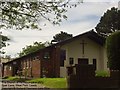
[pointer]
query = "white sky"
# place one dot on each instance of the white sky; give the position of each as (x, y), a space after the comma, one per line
(80, 19)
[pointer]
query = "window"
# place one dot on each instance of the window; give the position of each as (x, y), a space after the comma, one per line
(37, 57)
(61, 62)
(46, 55)
(62, 57)
(71, 61)
(63, 54)
(14, 63)
(34, 58)
(5, 68)
(10, 68)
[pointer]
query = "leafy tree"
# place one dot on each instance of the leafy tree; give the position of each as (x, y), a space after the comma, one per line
(31, 48)
(113, 50)
(28, 14)
(3, 40)
(109, 22)
(61, 36)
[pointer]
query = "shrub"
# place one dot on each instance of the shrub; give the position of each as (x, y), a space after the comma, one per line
(102, 74)
(113, 51)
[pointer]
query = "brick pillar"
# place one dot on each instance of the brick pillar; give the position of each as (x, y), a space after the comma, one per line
(57, 61)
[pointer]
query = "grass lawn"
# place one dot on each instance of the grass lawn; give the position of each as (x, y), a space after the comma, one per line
(12, 78)
(48, 82)
(51, 82)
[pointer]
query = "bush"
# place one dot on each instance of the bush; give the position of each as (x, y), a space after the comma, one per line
(102, 74)
(113, 51)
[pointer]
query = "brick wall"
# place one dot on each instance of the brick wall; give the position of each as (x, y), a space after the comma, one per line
(35, 65)
(57, 61)
(36, 68)
(51, 66)
(7, 70)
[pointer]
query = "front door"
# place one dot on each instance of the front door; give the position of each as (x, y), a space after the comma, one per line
(82, 60)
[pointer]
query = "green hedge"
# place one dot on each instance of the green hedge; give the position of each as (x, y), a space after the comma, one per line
(102, 74)
(113, 51)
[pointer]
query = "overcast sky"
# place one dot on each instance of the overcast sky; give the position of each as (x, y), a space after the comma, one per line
(80, 19)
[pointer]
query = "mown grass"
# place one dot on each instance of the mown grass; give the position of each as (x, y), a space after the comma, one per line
(47, 82)
(12, 78)
(51, 82)
(16, 78)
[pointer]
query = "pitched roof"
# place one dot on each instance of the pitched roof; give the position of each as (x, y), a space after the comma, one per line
(90, 34)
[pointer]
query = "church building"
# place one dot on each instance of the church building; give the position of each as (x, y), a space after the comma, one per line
(86, 48)
(52, 61)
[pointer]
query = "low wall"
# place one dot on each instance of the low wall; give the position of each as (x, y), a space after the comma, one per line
(86, 80)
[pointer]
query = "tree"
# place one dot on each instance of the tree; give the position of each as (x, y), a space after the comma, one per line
(61, 36)
(113, 50)
(3, 40)
(109, 22)
(31, 48)
(26, 14)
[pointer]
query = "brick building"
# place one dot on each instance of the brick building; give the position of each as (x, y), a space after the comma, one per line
(86, 48)
(38, 64)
